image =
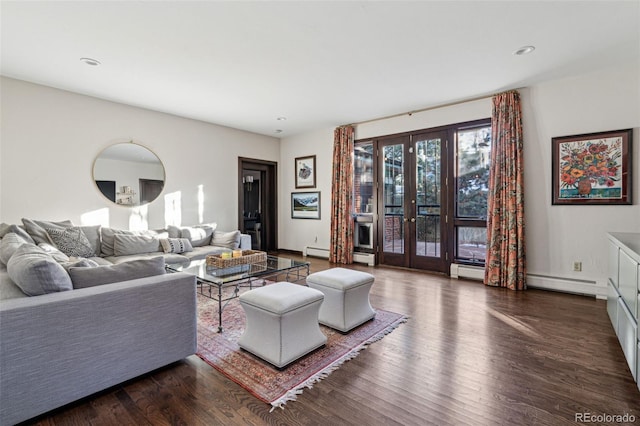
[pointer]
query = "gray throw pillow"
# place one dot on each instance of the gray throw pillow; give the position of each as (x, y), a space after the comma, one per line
(226, 239)
(71, 241)
(90, 277)
(36, 228)
(6, 228)
(54, 252)
(93, 235)
(198, 235)
(36, 273)
(8, 246)
(124, 245)
(176, 245)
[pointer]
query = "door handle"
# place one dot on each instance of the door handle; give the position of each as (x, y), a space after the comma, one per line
(413, 219)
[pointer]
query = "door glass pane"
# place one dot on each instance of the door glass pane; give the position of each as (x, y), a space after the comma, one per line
(393, 197)
(428, 196)
(472, 243)
(363, 197)
(474, 147)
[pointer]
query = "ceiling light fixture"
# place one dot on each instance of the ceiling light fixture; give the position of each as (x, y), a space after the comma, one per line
(278, 131)
(281, 118)
(90, 61)
(524, 50)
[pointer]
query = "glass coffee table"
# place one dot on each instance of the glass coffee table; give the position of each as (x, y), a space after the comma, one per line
(215, 283)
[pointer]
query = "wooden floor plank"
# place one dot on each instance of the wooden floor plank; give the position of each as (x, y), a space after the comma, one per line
(469, 355)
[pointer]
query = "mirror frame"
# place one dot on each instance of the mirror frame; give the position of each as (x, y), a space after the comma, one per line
(121, 191)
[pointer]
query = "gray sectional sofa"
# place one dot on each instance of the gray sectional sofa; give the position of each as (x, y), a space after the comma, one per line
(74, 325)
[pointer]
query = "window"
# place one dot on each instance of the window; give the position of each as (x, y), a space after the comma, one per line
(472, 155)
(363, 195)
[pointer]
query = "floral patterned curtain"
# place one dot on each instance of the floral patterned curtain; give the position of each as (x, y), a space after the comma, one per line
(505, 263)
(341, 248)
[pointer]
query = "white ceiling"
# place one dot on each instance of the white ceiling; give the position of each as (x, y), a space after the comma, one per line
(320, 64)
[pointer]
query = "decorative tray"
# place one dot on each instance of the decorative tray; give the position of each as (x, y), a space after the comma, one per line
(248, 256)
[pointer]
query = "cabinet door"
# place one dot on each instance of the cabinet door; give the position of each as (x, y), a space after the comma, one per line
(627, 334)
(612, 305)
(628, 280)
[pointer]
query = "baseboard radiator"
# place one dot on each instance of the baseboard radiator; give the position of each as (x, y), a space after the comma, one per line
(316, 252)
(565, 285)
(466, 271)
(323, 253)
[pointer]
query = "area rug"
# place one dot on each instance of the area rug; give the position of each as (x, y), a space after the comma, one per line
(261, 379)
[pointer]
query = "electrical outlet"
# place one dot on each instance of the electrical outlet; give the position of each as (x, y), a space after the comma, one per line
(577, 266)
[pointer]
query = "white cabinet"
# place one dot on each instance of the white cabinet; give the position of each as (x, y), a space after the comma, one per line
(623, 294)
(612, 305)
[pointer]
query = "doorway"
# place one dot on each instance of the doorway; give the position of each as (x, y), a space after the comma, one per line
(412, 194)
(258, 202)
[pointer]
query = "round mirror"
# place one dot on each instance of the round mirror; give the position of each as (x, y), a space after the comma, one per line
(129, 174)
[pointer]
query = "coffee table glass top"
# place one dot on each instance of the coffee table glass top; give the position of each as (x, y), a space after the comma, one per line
(222, 276)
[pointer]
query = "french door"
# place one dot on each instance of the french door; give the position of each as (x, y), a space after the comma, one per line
(412, 194)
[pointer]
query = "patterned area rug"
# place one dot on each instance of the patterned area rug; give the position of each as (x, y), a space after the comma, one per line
(261, 379)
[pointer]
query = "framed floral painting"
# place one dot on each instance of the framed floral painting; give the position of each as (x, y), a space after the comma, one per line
(593, 168)
(305, 172)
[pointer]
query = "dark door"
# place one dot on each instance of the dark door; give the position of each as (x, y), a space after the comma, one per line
(150, 189)
(257, 202)
(412, 193)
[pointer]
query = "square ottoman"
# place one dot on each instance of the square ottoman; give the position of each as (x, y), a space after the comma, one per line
(346, 297)
(282, 322)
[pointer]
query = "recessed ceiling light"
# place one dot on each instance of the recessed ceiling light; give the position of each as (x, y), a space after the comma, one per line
(278, 131)
(281, 118)
(524, 50)
(90, 61)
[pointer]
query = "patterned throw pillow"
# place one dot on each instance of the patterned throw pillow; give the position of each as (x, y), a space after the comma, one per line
(176, 245)
(71, 241)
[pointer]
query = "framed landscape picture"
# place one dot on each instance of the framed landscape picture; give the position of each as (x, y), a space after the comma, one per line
(305, 205)
(305, 168)
(593, 168)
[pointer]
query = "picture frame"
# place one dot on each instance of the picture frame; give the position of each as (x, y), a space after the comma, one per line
(592, 168)
(305, 169)
(305, 205)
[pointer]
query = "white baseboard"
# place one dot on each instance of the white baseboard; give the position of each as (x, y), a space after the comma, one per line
(566, 285)
(368, 258)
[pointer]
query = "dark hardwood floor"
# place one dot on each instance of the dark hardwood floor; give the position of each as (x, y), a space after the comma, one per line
(469, 355)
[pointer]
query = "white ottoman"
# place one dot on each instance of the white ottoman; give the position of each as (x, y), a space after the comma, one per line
(282, 322)
(346, 297)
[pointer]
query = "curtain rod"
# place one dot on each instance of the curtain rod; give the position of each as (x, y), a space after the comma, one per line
(429, 108)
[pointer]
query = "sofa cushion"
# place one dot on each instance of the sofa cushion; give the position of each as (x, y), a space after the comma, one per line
(54, 252)
(36, 273)
(36, 228)
(5, 228)
(202, 252)
(174, 231)
(168, 257)
(198, 235)
(71, 241)
(80, 263)
(83, 277)
(108, 235)
(229, 240)
(134, 244)
(176, 245)
(8, 246)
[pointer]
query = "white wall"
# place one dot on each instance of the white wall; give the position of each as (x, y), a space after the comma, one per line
(556, 235)
(49, 139)
(295, 234)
